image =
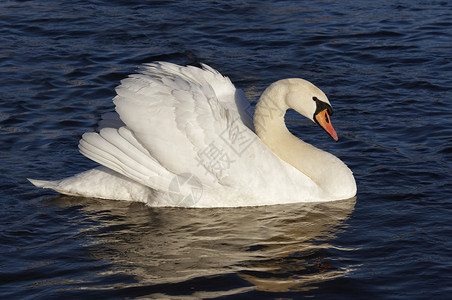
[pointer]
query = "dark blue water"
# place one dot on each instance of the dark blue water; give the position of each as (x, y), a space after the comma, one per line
(386, 67)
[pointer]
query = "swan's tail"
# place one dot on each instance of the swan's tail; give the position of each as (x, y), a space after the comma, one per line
(101, 183)
(45, 184)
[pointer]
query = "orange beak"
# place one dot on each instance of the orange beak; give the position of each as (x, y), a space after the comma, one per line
(323, 119)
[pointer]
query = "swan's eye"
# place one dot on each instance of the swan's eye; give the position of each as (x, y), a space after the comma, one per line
(320, 106)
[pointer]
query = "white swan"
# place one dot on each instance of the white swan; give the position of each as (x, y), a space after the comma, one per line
(183, 136)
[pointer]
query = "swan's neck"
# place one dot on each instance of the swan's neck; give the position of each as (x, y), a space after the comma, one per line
(271, 129)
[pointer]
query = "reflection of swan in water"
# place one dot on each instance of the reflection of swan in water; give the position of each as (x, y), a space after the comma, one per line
(273, 248)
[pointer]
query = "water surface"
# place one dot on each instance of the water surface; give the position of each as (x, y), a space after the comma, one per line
(386, 67)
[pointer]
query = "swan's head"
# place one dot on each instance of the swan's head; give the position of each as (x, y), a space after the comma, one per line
(311, 102)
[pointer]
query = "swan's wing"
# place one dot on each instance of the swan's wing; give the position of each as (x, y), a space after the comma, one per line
(176, 112)
(120, 151)
(157, 105)
(229, 96)
(186, 120)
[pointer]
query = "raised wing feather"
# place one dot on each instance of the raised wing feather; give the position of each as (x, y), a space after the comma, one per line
(177, 113)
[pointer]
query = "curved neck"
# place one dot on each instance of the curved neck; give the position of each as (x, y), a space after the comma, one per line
(271, 129)
(325, 169)
(269, 115)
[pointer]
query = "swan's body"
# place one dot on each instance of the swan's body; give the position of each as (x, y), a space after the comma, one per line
(183, 136)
